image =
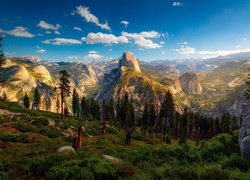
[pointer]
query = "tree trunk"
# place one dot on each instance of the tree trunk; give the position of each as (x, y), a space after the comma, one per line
(62, 106)
(164, 129)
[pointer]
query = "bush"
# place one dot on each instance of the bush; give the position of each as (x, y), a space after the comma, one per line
(236, 161)
(182, 141)
(168, 139)
(9, 137)
(26, 128)
(213, 172)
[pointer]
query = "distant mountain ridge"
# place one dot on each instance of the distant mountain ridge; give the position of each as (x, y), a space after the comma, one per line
(214, 86)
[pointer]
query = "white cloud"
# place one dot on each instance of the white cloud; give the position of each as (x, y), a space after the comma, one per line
(92, 52)
(47, 32)
(238, 46)
(99, 37)
(185, 42)
(186, 50)
(85, 13)
(93, 55)
(62, 41)
(141, 41)
(18, 31)
(77, 28)
(41, 51)
(222, 52)
(73, 57)
(162, 42)
(177, 4)
(125, 23)
(47, 26)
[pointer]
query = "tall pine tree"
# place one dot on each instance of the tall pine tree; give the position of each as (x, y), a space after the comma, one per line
(64, 86)
(75, 102)
(37, 99)
(26, 101)
(167, 111)
(2, 58)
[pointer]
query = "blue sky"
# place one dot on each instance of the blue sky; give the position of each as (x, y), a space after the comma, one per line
(87, 30)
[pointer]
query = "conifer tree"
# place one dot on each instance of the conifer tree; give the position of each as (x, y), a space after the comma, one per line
(47, 101)
(2, 58)
(167, 111)
(64, 86)
(26, 101)
(145, 118)
(84, 106)
(111, 111)
(75, 102)
(37, 99)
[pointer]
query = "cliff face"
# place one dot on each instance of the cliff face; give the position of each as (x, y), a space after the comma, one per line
(190, 84)
(128, 60)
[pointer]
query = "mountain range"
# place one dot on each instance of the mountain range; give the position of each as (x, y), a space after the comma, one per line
(212, 86)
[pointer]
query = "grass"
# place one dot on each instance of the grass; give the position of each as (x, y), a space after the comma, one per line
(144, 158)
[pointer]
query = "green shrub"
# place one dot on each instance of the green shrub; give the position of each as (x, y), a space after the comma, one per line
(212, 172)
(40, 122)
(26, 128)
(47, 131)
(236, 161)
(9, 137)
(182, 140)
(168, 139)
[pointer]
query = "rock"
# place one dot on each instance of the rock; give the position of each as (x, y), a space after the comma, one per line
(45, 74)
(51, 122)
(190, 84)
(111, 158)
(244, 137)
(66, 149)
(128, 60)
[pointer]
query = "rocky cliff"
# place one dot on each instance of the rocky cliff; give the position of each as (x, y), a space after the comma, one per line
(190, 84)
(128, 60)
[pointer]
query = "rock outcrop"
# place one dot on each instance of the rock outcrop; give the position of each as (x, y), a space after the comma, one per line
(128, 60)
(44, 73)
(190, 84)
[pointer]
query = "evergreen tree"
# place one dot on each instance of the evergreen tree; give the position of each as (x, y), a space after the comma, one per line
(145, 118)
(75, 102)
(84, 106)
(64, 86)
(105, 113)
(4, 97)
(56, 91)
(2, 58)
(26, 101)
(47, 101)
(167, 111)
(37, 99)
(111, 111)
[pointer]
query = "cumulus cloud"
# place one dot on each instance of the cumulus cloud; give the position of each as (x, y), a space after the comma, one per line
(99, 37)
(125, 23)
(177, 4)
(93, 55)
(86, 14)
(62, 41)
(46, 26)
(41, 51)
(141, 41)
(162, 42)
(77, 28)
(18, 31)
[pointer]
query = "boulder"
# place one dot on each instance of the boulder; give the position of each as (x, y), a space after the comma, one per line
(111, 158)
(66, 149)
(244, 137)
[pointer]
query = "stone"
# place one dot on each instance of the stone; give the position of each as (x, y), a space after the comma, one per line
(66, 149)
(244, 137)
(111, 158)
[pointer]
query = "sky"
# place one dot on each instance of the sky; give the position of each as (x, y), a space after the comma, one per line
(93, 30)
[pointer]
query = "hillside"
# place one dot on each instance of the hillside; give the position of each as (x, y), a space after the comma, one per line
(29, 144)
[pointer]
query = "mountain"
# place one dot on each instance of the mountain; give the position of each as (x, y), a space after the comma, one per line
(210, 86)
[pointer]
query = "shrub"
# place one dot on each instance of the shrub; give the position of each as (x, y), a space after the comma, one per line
(168, 139)
(182, 141)
(212, 172)
(9, 137)
(236, 161)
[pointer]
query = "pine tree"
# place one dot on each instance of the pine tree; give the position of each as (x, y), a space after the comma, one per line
(64, 86)
(111, 111)
(2, 58)
(37, 99)
(47, 101)
(85, 107)
(145, 118)
(4, 98)
(167, 111)
(26, 101)
(75, 102)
